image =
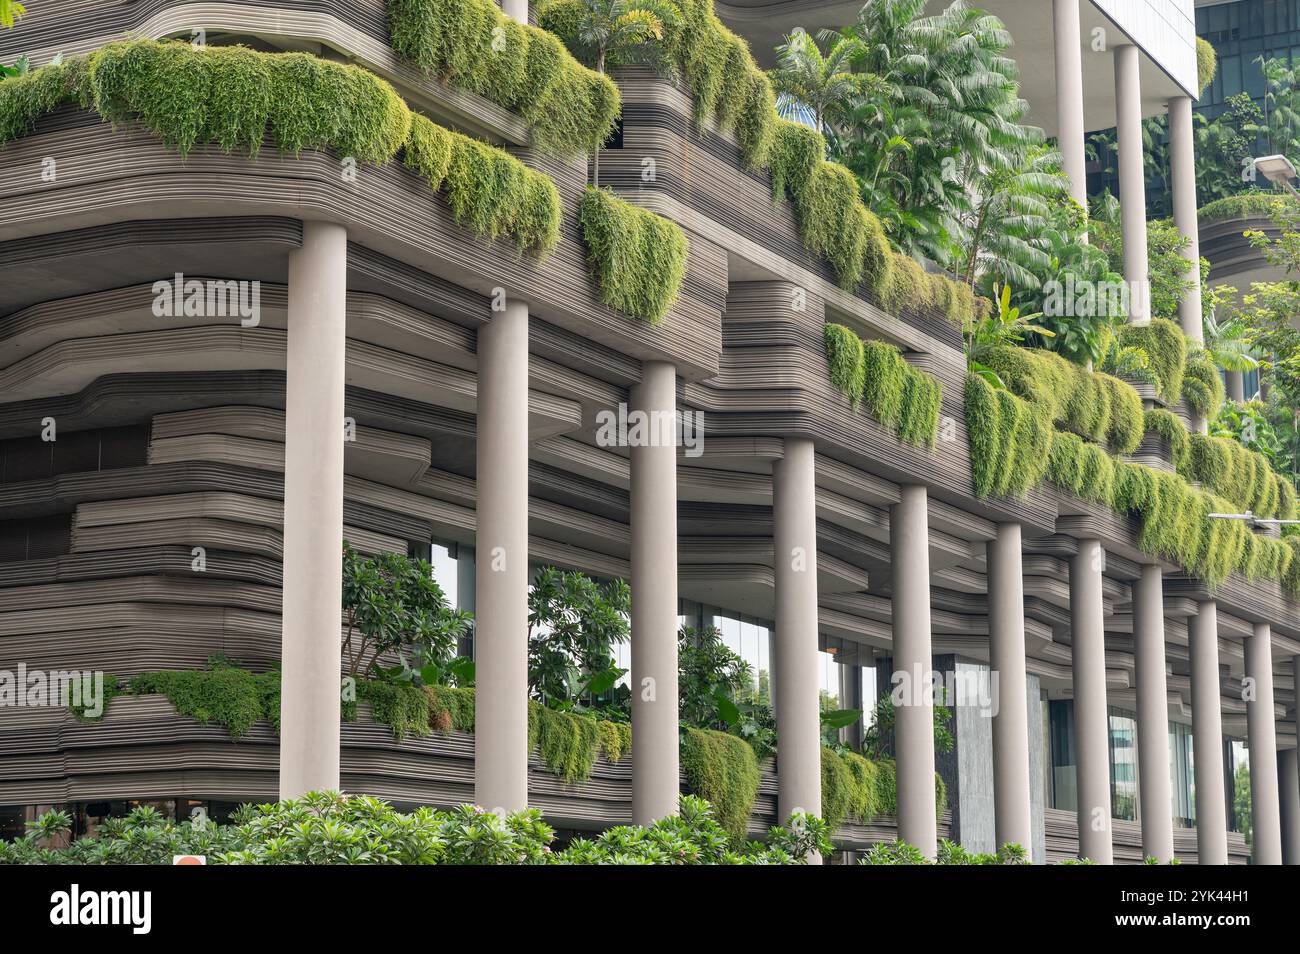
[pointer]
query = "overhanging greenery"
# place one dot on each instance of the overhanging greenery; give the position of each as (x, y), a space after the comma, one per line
(237, 98)
(1242, 205)
(1202, 385)
(490, 192)
(1166, 425)
(901, 397)
(722, 769)
(472, 45)
(638, 258)
(1007, 436)
(1241, 476)
(1165, 347)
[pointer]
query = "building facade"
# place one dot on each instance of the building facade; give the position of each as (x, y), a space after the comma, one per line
(197, 492)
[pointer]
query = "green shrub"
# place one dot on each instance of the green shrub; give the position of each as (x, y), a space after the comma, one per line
(450, 708)
(568, 743)
(850, 788)
(490, 192)
(472, 45)
(236, 97)
(903, 398)
(25, 99)
(638, 258)
(1173, 431)
(844, 356)
(722, 769)
(1202, 385)
(1010, 440)
(1243, 477)
(329, 828)
(1165, 346)
(1207, 63)
(1245, 204)
(1096, 406)
(234, 698)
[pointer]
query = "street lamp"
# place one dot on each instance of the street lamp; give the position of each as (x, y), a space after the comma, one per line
(1278, 170)
(1250, 518)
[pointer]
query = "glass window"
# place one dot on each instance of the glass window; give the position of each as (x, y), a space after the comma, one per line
(1123, 765)
(1065, 793)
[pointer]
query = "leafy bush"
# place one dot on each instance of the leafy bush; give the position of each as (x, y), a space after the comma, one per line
(901, 397)
(473, 46)
(1240, 206)
(328, 828)
(1243, 477)
(1165, 346)
(236, 98)
(1202, 385)
(568, 743)
(1097, 407)
(574, 623)
(392, 602)
(950, 853)
(710, 679)
(723, 770)
(637, 258)
(489, 191)
(1171, 429)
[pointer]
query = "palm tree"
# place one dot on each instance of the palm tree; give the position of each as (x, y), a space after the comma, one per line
(622, 32)
(1009, 218)
(1228, 343)
(823, 85)
(945, 96)
(10, 11)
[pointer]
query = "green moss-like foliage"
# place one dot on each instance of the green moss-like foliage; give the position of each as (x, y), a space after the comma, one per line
(450, 708)
(1245, 204)
(638, 258)
(402, 707)
(722, 769)
(1171, 429)
(901, 397)
(568, 744)
(490, 192)
(1290, 570)
(1009, 438)
(844, 355)
(25, 99)
(1243, 477)
(234, 698)
(1202, 385)
(473, 46)
(1207, 64)
(837, 227)
(1095, 406)
(886, 796)
(236, 97)
(1165, 346)
(850, 788)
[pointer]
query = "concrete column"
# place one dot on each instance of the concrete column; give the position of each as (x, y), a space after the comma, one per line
(1289, 802)
(1266, 822)
(851, 698)
(1207, 736)
(1091, 721)
(1182, 163)
(1011, 793)
(794, 513)
(1132, 181)
(515, 9)
(1069, 95)
(1156, 811)
(312, 601)
(655, 772)
(501, 563)
(1234, 386)
(909, 538)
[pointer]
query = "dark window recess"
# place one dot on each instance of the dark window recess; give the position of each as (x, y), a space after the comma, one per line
(74, 452)
(615, 140)
(35, 538)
